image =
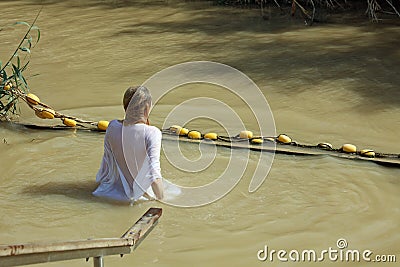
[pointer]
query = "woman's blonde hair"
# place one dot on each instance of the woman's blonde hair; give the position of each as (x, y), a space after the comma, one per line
(128, 95)
(137, 104)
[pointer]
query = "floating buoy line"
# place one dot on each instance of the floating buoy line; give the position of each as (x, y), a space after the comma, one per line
(44, 111)
(281, 144)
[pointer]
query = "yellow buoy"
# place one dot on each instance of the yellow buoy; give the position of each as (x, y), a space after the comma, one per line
(69, 122)
(211, 136)
(7, 86)
(283, 138)
(48, 113)
(45, 113)
(102, 125)
(257, 141)
(38, 113)
(194, 135)
(349, 148)
(325, 145)
(183, 131)
(367, 153)
(33, 99)
(246, 134)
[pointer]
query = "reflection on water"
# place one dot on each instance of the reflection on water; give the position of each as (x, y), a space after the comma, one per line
(332, 83)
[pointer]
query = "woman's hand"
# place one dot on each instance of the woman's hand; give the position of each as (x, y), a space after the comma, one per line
(148, 196)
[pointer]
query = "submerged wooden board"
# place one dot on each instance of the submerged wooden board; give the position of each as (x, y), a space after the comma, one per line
(54, 127)
(288, 150)
(23, 254)
(266, 147)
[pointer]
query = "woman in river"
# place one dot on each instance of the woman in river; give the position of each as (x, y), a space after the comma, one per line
(131, 160)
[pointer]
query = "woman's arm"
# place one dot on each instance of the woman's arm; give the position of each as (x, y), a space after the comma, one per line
(153, 152)
(104, 171)
(158, 188)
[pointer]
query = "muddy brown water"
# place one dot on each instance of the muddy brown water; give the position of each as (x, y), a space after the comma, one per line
(334, 83)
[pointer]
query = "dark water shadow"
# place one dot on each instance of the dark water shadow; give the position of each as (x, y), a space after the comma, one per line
(80, 190)
(77, 190)
(215, 21)
(372, 64)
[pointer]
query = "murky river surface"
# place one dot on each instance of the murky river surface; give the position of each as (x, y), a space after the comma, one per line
(333, 83)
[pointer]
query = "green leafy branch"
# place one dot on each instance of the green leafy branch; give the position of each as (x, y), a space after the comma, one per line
(12, 81)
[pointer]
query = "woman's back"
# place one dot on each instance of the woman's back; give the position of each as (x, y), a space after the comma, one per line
(131, 160)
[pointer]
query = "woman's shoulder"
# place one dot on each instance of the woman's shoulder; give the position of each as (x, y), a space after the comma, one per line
(153, 130)
(114, 125)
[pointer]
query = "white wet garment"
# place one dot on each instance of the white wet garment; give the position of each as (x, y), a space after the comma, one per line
(131, 161)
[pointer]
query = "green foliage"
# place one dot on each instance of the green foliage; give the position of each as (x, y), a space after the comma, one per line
(12, 80)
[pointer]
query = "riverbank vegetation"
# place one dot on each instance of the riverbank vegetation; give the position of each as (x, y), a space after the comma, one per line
(315, 10)
(13, 84)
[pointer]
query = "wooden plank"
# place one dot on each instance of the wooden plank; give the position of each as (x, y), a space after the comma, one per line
(31, 253)
(51, 256)
(32, 248)
(143, 226)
